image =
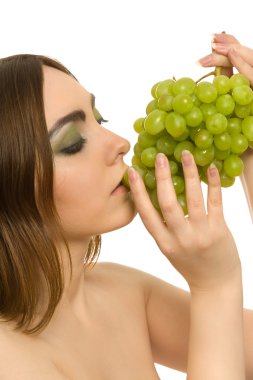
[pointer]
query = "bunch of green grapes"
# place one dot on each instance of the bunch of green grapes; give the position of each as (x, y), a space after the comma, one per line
(212, 120)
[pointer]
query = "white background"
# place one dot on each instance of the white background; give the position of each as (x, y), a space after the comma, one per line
(118, 50)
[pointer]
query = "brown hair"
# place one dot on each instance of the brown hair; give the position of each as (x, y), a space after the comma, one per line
(29, 222)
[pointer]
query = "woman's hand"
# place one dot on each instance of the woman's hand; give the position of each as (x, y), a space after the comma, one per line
(227, 52)
(199, 246)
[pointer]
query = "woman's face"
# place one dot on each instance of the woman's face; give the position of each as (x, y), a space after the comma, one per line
(88, 161)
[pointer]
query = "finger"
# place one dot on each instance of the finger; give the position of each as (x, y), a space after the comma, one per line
(214, 59)
(242, 66)
(194, 195)
(214, 195)
(224, 49)
(224, 38)
(171, 210)
(150, 217)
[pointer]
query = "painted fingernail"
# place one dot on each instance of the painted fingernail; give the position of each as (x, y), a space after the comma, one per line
(132, 176)
(161, 160)
(212, 170)
(186, 157)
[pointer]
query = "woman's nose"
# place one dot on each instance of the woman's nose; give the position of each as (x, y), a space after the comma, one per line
(116, 147)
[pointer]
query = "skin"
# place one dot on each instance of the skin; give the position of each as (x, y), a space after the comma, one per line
(113, 322)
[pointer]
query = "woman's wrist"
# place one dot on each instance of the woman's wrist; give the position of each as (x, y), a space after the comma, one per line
(230, 283)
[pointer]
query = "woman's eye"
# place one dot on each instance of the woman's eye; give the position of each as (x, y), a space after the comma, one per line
(74, 148)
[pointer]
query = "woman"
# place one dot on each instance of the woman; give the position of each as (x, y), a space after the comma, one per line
(63, 317)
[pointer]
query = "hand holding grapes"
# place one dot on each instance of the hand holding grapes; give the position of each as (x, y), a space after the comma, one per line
(201, 246)
(228, 52)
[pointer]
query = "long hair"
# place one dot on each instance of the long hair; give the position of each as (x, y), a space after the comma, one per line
(29, 224)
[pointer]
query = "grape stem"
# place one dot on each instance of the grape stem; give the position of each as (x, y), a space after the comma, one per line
(215, 72)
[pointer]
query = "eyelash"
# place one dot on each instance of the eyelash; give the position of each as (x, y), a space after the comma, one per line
(102, 121)
(75, 148)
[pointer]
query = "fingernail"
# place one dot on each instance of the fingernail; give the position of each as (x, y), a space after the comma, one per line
(205, 60)
(186, 157)
(212, 170)
(132, 176)
(161, 160)
(220, 47)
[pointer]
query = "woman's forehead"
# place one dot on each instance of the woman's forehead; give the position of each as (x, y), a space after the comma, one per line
(62, 94)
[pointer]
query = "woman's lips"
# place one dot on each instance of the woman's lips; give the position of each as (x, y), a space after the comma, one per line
(120, 189)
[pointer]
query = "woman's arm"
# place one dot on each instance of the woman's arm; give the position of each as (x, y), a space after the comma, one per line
(202, 249)
(247, 178)
(216, 334)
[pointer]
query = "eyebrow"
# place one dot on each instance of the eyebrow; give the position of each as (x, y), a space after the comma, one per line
(76, 115)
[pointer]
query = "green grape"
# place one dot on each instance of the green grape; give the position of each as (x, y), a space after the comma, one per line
(234, 125)
(173, 167)
(165, 102)
(148, 156)
(139, 125)
(136, 161)
(225, 180)
(152, 105)
(206, 92)
(194, 131)
(247, 127)
(207, 110)
(125, 180)
(175, 124)
(164, 88)
(153, 89)
(182, 103)
(178, 184)
(194, 117)
(239, 143)
(216, 123)
(204, 157)
(242, 95)
(225, 104)
(242, 111)
(203, 139)
(146, 140)
(233, 165)
(222, 84)
(154, 199)
(184, 145)
(155, 122)
(184, 136)
(184, 86)
(137, 149)
(222, 141)
(183, 203)
(195, 100)
(221, 154)
(238, 80)
(166, 144)
(150, 179)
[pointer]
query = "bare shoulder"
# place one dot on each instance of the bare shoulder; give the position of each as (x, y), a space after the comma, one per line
(125, 278)
(113, 273)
